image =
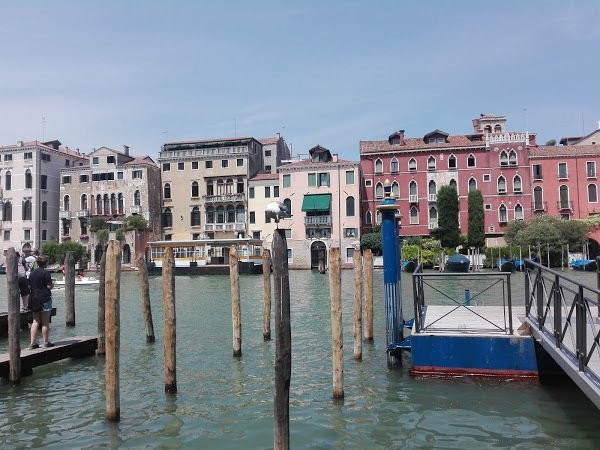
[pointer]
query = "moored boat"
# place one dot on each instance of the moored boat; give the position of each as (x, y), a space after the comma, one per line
(583, 264)
(409, 266)
(458, 263)
(505, 265)
(79, 281)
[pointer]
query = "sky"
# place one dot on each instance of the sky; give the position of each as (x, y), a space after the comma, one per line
(331, 73)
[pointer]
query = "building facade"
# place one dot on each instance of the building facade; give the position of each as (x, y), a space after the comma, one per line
(263, 188)
(30, 193)
(275, 151)
(490, 159)
(112, 185)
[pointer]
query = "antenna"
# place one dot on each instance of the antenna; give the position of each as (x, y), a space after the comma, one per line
(43, 128)
(234, 127)
(582, 123)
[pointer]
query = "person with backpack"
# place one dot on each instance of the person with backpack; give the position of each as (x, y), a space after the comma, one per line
(40, 302)
(23, 283)
(31, 261)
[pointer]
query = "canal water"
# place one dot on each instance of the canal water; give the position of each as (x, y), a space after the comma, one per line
(224, 402)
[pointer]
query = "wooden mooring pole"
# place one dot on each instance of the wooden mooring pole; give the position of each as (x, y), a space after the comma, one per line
(101, 350)
(368, 292)
(14, 317)
(266, 263)
(70, 289)
(145, 290)
(283, 342)
(337, 341)
(236, 310)
(358, 270)
(113, 329)
(168, 285)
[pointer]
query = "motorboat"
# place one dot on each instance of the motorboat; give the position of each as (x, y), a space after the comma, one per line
(79, 281)
(583, 264)
(458, 263)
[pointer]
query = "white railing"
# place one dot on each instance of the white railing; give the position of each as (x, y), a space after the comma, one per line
(64, 215)
(433, 225)
(83, 213)
(240, 226)
(413, 198)
(499, 138)
(317, 220)
(135, 209)
(432, 197)
(224, 198)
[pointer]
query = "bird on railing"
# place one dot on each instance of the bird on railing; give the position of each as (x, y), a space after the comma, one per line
(277, 211)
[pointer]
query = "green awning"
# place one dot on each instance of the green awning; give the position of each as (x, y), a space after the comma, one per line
(316, 202)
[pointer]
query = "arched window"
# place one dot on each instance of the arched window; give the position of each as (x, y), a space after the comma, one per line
(120, 203)
(98, 204)
(220, 187)
(433, 215)
(412, 191)
(229, 186)
(240, 214)
(472, 184)
(396, 189)
(84, 202)
(394, 165)
(137, 198)
(7, 181)
(538, 199)
(195, 189)
(240, 186)
(432, 190)
(471, 160)
(378, 166)
(452, 164)
(230, 218)
(412, 165)
(220, 214)
(113, 204)
(28, 179)
(501, 185)
(106, 205)
(592, 193)
(453, 184)
(431, 163)
(44, 210)
(368, 218)
(27, 210)
(195, 222)
(512, 158)
(288, 204)
(167, 190)
(518, 212)
(378, 218)
(517, 185)
(414, 216)
(488, 129)
(503, 158)
(497, 128)
(66, 203)
(502, 215)
(564, 197)
(167, 218)
(349, 206)
(379, 190)
(210, 215)
(7, 211)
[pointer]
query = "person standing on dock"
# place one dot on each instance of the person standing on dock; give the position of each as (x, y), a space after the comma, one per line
(41, 284)
(31, 261)
(23, 283)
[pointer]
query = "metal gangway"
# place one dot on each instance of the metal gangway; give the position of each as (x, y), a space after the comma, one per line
(563, 317)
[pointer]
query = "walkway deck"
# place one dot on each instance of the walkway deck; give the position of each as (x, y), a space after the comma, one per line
(74, 347)
(451, 319)
(26, 317)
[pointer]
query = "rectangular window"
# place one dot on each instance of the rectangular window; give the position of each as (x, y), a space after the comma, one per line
(26, 235)
(195, 236)
(84, 178)
(224, 163)
(267, 152)
(95, 160)
(180, 166)
(194, 165)
(251, 192)
(349, 176)
(252, 217)
(488, 206)
(562, 170)
(119, 175)
(44, 235)
(267, 191)
(111, 160)
(324, 179)
(166, 167)
(267, 217)
(103, 176)
(591, 169)
(208, 164)
(350, 232)
(275, 191)
(66, 179)
(44, 182)
(487, 177)
(8, 157)
(268, 168)
(66, 163)
(256, 235)
(536, 170)
(312, 179)
(28, 155)
(349, 254)
(7, 235)
(288, 233)
(240, 162)
(287, 181)
(290, 254)
(368, 183)
(168, 237)
(136, 174)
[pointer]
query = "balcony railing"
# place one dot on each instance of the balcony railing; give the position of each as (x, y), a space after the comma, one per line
(83, 213)
(432, 197)
(65, 215)
(539, 206)
(317, 220)
(433, 225)
(135, 209)
(224, 198)
(564, 205)
(224, 226)
(413, 198)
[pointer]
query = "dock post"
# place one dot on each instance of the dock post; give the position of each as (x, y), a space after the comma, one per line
(113, 330)
(391, 276)
(70, 289)
(145, 290)
(14, 317)
(368, 292)
(101, 350)
(357, 262)
(266, 265)
(335, 294)
(283, 342)
(168, 286)
(467, 297)
(236, 310)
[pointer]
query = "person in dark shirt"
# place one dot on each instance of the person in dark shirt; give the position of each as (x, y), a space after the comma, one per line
(41, 284)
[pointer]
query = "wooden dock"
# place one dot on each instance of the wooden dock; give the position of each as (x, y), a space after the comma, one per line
(26, 318)
(73, 347)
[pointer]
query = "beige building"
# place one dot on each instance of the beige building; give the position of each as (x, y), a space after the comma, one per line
(275, 151)
(29, 192)
(113, 185)
(263, 189)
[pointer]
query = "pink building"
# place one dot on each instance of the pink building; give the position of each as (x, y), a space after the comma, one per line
(490, 159)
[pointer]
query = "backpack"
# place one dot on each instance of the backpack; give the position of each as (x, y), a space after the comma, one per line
(35, 303)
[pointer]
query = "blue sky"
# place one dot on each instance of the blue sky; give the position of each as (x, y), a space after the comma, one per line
(143, 73)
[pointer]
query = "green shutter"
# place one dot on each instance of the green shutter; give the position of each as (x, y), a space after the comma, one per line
(316, 202)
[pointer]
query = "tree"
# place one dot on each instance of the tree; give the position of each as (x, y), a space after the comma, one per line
(448, 230)
(476, 229)
(547, 231)
(136, 222)
(98, 223)
(373, 241)
(120, 235)
(551, 142)
(102, 236)
(57, 252)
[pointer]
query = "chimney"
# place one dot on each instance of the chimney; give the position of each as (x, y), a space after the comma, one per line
(126, 149)
(402, 137)
(599, 124)
(279, 134)
(475, 126)
(20, 143)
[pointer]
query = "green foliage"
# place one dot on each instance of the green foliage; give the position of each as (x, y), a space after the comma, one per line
(372, 241)
(102, 236)
(120, 235)
(50, 250)
(410, 252)
(426, 251)
(476, 228)
(57, 252)
(551, 142)
(98, 223)
(448, 230)
(431, 244)
(413, 240)
(544, 231)
(136, 222)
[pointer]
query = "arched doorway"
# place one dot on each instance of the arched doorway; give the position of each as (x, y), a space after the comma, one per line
(593, 249)
(318, 250)
(126, 254)
(98, 254)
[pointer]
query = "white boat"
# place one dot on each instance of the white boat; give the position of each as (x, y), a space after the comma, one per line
(79, 281)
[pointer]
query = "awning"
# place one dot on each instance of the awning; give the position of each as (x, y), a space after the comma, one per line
(316, 202)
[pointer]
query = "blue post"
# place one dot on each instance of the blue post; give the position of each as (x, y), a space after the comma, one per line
(467, 297)
(391, 274)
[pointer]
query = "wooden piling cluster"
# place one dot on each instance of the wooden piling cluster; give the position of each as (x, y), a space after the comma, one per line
(358, 313)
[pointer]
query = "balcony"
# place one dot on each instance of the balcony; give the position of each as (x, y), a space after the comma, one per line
(539, 206)
(432, 197)
(564, 205)
(226, 198)
(64, 215)
(225, 226)
(317, 220)
(433, 225)
(135, 209)
(83, 214)
(501, 191)
(413, 198)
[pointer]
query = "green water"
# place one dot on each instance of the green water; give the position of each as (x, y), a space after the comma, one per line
(223, 402)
